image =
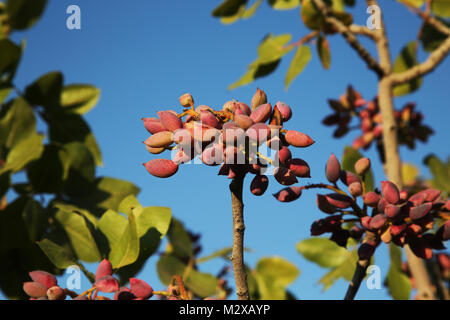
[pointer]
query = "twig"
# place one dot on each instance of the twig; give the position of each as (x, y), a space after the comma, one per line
(237, 255)
(341, 28)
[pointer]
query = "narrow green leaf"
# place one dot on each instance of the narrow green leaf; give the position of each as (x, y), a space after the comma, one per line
(228, 8)
(345, 270)
(406, 60)
(323, 50)
(79, 98)
(299, 62)
(5, 90)
(324, 252)
(284, 4)
(430, 38)
(415, 3)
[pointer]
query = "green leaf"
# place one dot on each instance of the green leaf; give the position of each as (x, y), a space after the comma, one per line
(278, 270)
(324, 252)
(126, 250)
(68, 127)
(79, 98)
(323, 50)
(179, 239)
(35, 218)
(441, 8)
(406, 60)
(112, 225)
(82, 169)
(410, 173)
(255, 70)
(5, 90)
(224, 253)
(59, 256)
(430, 38)
(105, 193)
(23, 152)
(399, 285)
(10, 54)
(234, 18)
(345, 270)
(349, 159)
(440, 172)
(202, 284)
(17, 122)
(284, 4)
(299, 62)
(415, 3)
(23, 14)
(47, 174)
(272, 48)
(79, 234)
(248, 13)
(153, 217)
(46, 90)
(228, 8)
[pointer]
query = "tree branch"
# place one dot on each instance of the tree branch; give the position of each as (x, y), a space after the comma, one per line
(237, 255)
(433, 60)
(438, 25)
(349, 37)
(360, 271)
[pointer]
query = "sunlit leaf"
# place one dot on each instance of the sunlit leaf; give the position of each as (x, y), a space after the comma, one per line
(441, 8)
(299, 62)
(79, 98)
(79, 234)
(324, 252)
(126, 250)
(284, 4)
(59, 256)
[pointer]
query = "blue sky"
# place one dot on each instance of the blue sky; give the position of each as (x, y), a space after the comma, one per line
(144, 54)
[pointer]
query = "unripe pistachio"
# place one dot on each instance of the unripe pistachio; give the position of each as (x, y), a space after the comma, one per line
(187, 100)
(258, 99)
(288, 194)
(355, 189)
(371, 199)
(362, 166)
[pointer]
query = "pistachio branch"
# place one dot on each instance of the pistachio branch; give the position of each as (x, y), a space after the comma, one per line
(350, 37)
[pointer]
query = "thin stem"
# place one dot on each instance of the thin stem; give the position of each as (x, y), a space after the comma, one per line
(361, 270)
(237, 255)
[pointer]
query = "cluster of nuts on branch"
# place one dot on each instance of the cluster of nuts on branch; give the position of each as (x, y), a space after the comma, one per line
(45, 287)
(352, 105)
(395, 216)
(233, 138)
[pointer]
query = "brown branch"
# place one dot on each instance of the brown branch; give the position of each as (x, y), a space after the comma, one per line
(433, 60)
(349, 37)
(362, 30)
(393, 164)
(425, 15)
(303, 40)
(360, 271)
(237, 255)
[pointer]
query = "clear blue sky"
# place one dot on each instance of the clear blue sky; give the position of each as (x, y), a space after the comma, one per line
(144, 54)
